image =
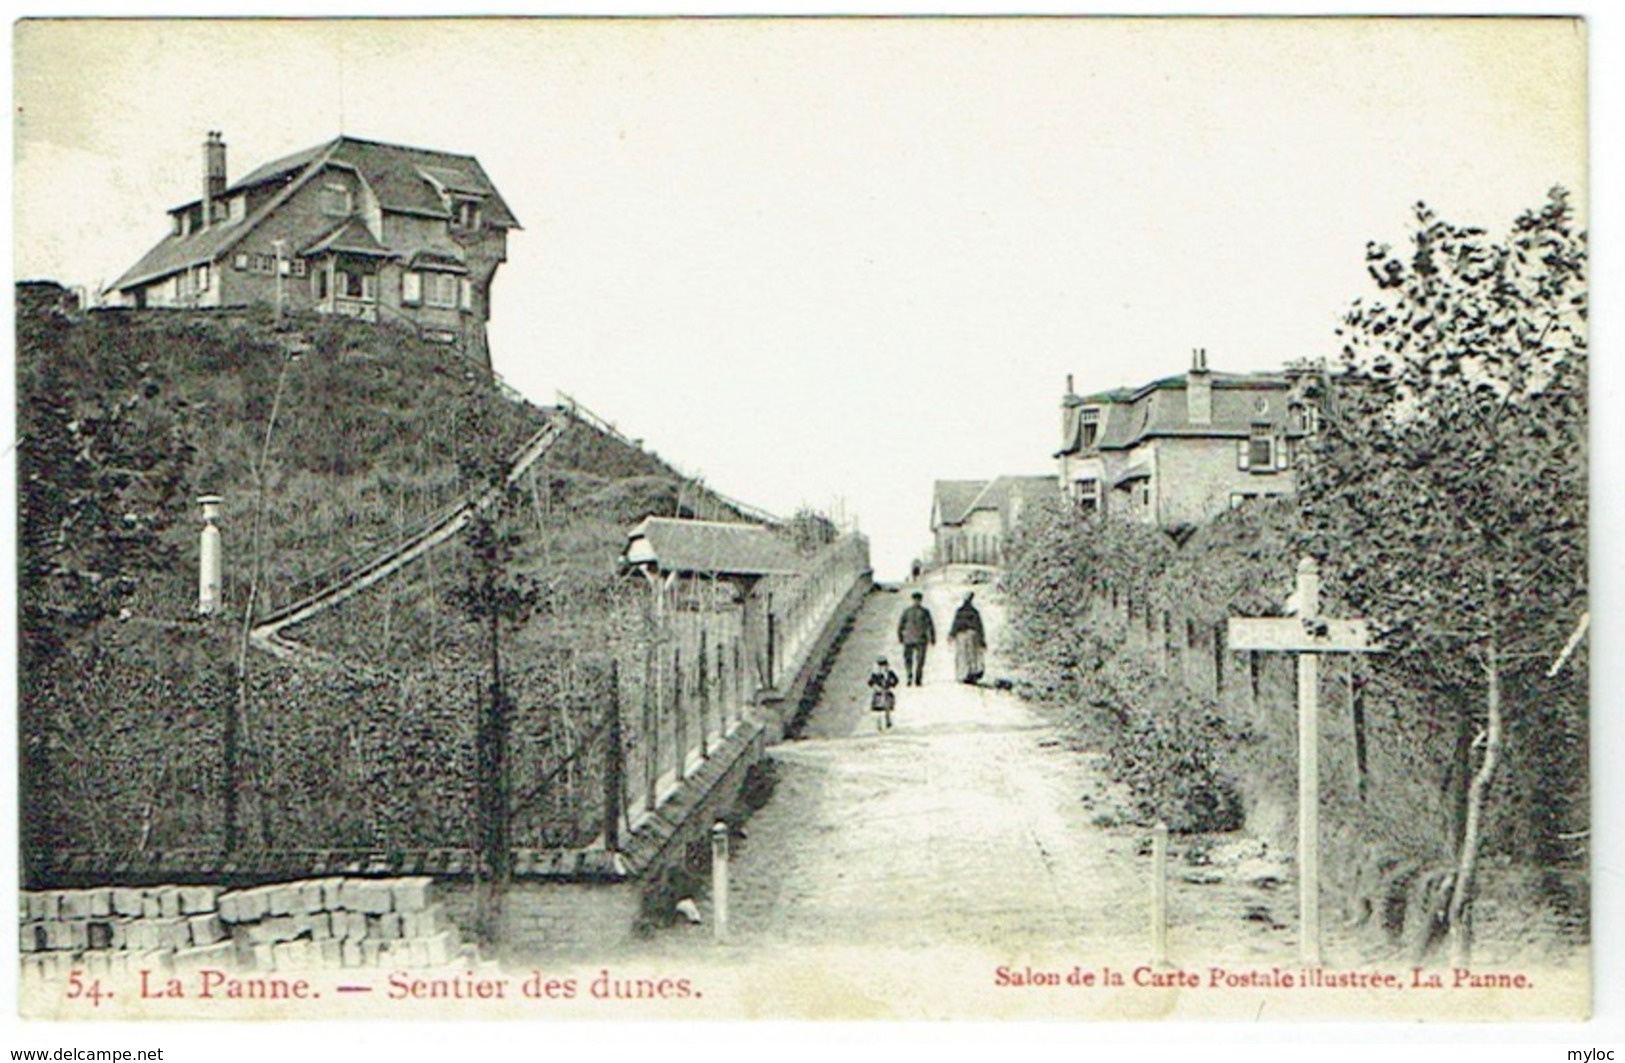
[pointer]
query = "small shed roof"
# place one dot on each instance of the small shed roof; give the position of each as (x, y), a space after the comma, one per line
(707, 547)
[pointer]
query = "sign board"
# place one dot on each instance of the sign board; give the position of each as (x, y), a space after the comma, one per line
(1300, 634)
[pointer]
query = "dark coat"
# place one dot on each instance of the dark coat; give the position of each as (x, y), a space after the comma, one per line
(915, 627)
(966, 618)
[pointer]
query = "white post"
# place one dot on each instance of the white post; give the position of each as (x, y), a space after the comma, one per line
(1309, 773)
(277, 246)
(1159, 895)
(208, 573)
(719, 880)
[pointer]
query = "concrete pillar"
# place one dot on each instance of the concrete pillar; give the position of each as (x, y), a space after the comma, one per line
(208, 575)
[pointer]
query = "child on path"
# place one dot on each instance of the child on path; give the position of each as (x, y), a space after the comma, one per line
(884, 699)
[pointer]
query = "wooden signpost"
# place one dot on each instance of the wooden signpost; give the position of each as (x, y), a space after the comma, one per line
(1308, 635)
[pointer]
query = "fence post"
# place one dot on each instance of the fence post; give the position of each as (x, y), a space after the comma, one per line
(651, 726)
(615, 769)
(705, 696)
(1159, 894)
(679, 724)
(719, 880)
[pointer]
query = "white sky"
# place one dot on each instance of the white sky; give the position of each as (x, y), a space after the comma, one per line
(813, 260)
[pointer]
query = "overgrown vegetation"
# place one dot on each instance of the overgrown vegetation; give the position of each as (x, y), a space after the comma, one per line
(329, 440)
(1445, 494)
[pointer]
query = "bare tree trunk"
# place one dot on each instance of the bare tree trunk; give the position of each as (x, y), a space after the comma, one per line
(1460, 932)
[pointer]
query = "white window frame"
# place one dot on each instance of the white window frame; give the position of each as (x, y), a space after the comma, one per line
(411, 288)
(337, 195)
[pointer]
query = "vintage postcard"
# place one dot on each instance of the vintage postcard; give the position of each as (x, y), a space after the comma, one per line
(835, 518)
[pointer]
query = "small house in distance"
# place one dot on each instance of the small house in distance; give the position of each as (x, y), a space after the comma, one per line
(1184, 448)
(370, 230)
(972, 519)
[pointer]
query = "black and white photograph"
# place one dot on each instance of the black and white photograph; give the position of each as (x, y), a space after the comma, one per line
(841, 518)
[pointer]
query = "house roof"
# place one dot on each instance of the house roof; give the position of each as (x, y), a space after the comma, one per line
(1162, 409)
(952, 499)
(352, 237)
(404, 179)
(711, 547)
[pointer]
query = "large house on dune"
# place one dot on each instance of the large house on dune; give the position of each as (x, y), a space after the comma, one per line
(1182, 449)
(356, 227)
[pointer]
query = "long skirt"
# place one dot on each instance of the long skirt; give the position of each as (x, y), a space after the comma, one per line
(968, 656)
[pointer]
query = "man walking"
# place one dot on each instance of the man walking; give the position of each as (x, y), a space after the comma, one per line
(915, 631)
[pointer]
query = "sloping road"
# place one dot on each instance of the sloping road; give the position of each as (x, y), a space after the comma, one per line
(963, 825)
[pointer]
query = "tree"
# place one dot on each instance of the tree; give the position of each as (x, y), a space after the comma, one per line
(1447, 487)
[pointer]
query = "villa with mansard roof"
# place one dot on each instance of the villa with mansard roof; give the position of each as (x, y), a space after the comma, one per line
(376, 231)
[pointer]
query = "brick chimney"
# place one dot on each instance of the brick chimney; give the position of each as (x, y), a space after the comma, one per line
(1199, 389)
(214, 174)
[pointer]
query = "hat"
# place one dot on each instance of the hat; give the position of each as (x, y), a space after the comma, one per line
(881, 661)
(917, 596)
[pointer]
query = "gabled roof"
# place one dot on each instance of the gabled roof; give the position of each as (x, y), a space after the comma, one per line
(952, 499)
(404, 179)
(709, 547)
(352, 237)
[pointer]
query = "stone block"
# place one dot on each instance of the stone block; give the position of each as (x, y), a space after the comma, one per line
(284, 899)
(75, 904)
(22, 906)
(206, 929)
(99, 934)
(354, 925)
(332, 894)
(150, 908)
(264, 958)
(158, 961)
(413, 894)
(63, 936)
(127, 901)
(96, 963)
(372, 951)
(31, 937)
(169, 902)
(101, 903)
(139, 935)
(43, 904)
(424, 923)
(386, 927)
(330, 953)
(173, 933)
(312, 897)
(441, 948)
(319, 925)
(362, 895)
(218, 954)
(245, 906)
(198, 900)
(352, 953)
(276, 929)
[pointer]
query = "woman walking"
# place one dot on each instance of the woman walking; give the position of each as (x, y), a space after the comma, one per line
(969, 641)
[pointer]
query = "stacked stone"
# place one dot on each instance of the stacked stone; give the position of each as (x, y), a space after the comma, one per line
(340, 922)
(288, 926)
(114, 930)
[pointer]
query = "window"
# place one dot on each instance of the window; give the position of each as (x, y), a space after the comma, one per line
(411, 288)
(238, 207)
(202, 277)
(240, 261)
(336, 200)
(1261, 450)
(319, 284)
(298, 267)
(440, 289)
(468, 214)
(1305, 418)
(1089, 425)
(465, 293)
(352, 285)
(1086, 495)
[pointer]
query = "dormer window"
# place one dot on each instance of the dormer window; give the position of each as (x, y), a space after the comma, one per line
(1088, 426)
(466, 214)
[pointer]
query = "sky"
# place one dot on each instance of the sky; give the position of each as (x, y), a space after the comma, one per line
(827, 262)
